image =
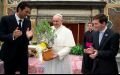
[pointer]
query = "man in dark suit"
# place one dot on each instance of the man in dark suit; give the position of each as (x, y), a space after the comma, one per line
(15, 32)
(105, 47)
(87, 62)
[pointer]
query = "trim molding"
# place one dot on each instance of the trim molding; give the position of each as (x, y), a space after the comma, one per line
(66, 4)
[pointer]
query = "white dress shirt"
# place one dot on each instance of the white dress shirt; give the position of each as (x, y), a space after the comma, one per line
(17, 18)
(101, 33)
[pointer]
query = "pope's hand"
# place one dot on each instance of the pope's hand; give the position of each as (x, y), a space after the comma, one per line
(55, 55)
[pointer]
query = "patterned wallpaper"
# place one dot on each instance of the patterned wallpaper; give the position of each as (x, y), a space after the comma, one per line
(114, 17)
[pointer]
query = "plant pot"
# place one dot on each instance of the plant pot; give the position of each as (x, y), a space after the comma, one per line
(47, 54)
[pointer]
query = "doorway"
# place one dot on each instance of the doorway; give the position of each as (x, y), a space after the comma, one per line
(77, 30)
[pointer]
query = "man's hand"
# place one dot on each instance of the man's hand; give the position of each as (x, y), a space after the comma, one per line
(89, 50)
(29, 33)
(93, 56)
(17, 33)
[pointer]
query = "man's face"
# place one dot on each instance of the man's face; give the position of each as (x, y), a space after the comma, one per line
(90, 27)
(57, 21)
(25, 12)
(97, 25)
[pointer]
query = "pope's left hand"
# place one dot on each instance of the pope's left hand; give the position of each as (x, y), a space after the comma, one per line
(29, 33)
(55, 55)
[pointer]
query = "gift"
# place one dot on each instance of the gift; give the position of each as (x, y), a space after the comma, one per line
(45, 40)
(47, 54)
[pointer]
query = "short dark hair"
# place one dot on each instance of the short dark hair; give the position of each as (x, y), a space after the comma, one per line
(90, 23)
(101, 17)
(22, 5)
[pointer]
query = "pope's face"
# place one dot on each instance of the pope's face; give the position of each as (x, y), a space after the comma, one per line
(57, 21)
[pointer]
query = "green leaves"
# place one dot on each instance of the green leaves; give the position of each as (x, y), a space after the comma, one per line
(43, 26)
(77, 50)
(44, 32)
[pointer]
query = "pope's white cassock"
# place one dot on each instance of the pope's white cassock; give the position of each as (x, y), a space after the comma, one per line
(62, 46)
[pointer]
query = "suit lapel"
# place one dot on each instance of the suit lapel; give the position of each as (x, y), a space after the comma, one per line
(105, 38)
(23, 24)
(96, 41)
(14, 20)
(12, 23)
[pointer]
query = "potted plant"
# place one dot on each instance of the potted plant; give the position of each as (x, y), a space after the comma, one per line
(45, 33)
(45, 39)
(77, 50)
(76, 58)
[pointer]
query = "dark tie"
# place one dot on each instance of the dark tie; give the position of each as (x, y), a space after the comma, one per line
(20, 22)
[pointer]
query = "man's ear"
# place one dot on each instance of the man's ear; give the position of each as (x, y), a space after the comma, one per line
(19, 10)
(104, 23)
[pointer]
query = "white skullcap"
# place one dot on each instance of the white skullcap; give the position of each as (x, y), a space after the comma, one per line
(59, 15)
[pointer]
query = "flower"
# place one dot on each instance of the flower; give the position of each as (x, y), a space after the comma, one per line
(35, 50)
(42, 45)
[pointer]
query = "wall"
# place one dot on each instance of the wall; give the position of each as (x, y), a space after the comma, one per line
(114, 16)
(1, 6)
(62, 0)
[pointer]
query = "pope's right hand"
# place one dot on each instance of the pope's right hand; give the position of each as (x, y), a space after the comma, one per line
(17, 33)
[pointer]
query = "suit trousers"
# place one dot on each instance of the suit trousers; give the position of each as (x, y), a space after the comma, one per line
(17, 65)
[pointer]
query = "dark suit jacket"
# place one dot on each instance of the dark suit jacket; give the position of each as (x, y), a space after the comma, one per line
(13, 49)
(105, 62)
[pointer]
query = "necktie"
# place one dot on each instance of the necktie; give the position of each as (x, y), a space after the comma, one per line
(100, 37)
(20, 22)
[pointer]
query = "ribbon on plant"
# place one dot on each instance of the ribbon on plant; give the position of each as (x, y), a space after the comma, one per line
(40, 48)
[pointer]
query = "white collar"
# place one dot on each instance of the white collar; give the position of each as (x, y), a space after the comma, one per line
(17, 18)
(59, 27)
(103, 31)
